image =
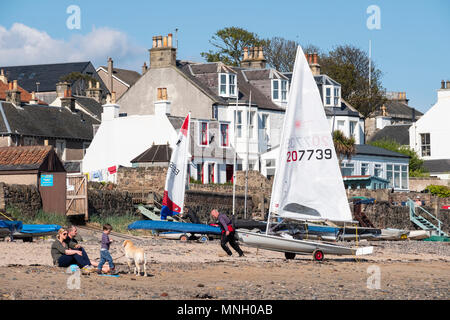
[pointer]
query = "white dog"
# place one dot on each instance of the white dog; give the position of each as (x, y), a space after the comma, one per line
(135, 254)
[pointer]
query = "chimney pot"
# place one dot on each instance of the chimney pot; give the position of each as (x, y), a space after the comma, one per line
(448, 84)
(164, 42)
(154, 42)
(442, 84)
(169, 40)
(159, 41)
(315, 58)
(15, 85)
(261, 53)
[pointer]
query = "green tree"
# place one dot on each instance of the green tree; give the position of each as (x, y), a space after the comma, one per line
(416, 168)
(230, 43)
(78, 81)
(349, 66)
(345, 147)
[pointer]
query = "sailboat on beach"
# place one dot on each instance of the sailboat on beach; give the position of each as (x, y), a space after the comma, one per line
(308, 183)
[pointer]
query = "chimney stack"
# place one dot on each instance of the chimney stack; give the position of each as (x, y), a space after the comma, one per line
(61, 87)
(3, 78)
(313, 64)
(68, 101)
(144, 68)
(110, 109)
(33, 99)
(13, 94)
(163, 54)
(94, 92)
(254, 58)
(162, 103)
(110, 74)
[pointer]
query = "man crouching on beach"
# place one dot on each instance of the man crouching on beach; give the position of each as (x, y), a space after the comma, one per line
(227, 233)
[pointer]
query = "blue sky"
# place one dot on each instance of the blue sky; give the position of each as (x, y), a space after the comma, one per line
(411, 48)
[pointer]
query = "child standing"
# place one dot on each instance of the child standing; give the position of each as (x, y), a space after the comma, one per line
(105, 256)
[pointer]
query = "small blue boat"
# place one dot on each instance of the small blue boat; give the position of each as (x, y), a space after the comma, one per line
(174, 226)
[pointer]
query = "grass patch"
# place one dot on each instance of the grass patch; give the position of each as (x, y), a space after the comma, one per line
(119, 223)
(40, 217)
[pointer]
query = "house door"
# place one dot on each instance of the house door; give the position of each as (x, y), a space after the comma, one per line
(229, 172)
(211, 173)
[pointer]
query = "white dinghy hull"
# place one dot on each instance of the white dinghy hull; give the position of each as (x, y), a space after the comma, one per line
(288, 244)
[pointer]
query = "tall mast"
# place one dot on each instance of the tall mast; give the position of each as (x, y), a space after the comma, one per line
(235, 156)
(247, 147)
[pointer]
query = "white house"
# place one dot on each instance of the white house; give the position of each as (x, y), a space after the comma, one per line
(429, 136)
(118, 140)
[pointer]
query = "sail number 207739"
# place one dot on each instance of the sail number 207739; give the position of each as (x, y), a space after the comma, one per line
(306, 155)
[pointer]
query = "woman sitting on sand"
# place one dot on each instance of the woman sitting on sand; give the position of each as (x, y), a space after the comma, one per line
(64, 257)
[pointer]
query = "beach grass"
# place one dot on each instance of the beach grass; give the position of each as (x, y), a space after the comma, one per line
(118, 223)
(40, 217)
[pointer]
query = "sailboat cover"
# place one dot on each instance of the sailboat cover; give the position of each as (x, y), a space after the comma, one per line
(308, 183)
(173, 199)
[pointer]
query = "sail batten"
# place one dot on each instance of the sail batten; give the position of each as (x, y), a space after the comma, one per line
(308, 183)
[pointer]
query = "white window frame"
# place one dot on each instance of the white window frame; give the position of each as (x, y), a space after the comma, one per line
(335, 101)
(228, 85)
(265, 126)
(352, 134)
(337, 98)
(366, 165)
(200, 127)
(425, 148)
(228, 134)
(238, 125)
(251, 123)
(378, 167)
(282, 95)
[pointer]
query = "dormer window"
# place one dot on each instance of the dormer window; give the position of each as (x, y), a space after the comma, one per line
(279, 90)
(332, 96)
(227, 85)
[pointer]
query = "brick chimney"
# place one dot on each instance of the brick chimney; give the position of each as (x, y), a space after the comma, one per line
(13, 94)
(163, 54)
(68, 101)
(253, 58)
(3, 78)
(314, 64)
(94, 92)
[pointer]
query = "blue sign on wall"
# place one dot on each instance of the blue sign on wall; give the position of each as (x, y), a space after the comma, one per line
(47, 180)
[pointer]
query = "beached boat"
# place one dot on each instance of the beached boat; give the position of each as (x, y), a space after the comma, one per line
(306, 170)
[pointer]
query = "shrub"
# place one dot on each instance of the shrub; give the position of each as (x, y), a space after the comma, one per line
(440, 191)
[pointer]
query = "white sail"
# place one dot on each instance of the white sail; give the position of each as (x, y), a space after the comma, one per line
(173, 199)
(308, 183)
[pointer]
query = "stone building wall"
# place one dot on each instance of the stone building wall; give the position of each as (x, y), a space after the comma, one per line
(25, 198)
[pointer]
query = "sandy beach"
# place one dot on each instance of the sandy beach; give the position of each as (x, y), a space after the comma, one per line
(193, 270)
